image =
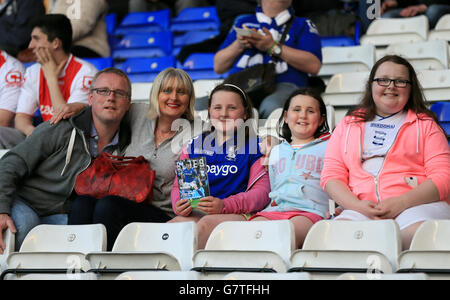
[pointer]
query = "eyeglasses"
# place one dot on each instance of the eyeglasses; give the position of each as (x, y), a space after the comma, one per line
(106, 92)
(400, 83)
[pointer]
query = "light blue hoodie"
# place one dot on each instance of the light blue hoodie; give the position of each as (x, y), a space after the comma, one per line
(295, 178)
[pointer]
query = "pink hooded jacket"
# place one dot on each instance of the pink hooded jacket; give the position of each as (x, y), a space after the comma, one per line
(420, 151)
(254, 199)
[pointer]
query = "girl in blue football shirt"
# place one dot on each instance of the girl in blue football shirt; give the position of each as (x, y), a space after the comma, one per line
(238, 182)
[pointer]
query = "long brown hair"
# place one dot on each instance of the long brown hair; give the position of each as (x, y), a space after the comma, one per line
(366, 109)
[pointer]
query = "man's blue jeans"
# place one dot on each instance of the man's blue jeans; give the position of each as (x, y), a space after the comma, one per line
(433, 13)
(25, 219)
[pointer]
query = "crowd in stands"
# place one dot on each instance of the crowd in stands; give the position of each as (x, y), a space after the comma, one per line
(387, 159)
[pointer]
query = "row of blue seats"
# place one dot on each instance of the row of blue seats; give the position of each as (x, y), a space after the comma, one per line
(190, 19)
(145, 69)
(193, 19)
(145, 43)
(156, 44)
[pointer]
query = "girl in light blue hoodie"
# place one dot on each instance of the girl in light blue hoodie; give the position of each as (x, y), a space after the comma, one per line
(296, 163)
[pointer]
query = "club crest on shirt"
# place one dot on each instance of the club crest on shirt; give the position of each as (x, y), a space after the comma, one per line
(87, 81)
(13, 78)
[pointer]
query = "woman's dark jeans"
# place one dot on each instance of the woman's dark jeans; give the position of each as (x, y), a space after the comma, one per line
(114, 213)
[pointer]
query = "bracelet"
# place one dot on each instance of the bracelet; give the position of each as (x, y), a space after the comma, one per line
(270, 50)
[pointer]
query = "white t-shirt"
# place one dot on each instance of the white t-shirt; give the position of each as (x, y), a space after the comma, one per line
(11, 79)
(379, 135)
(74, 82)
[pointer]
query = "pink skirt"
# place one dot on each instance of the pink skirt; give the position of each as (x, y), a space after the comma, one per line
(276, 215)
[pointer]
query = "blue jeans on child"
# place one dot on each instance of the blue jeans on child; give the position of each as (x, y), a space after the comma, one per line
(25, 219)
(433, 13)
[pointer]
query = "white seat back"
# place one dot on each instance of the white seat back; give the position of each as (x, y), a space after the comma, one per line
(267, 276)
(275, 236)
(68, 276)
(344, 91)
(9, 240)
(158, 275)
(382, 236)
(429, 55)
(331, 117)
(57, 247)
(432, 235)
(429, 251)
(385, 31)
(362, 276)
(203, 87)
(178, 239)
(443, 23)
(435, 84)
(140, 91)
(260, 246)
(3, 152)
(442, 29)
(347, 59)
(65, 238)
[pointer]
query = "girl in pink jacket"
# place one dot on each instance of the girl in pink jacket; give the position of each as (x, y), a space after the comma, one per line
(389, 158)
(238, 182)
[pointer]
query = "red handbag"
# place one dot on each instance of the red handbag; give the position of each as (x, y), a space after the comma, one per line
(127, 177)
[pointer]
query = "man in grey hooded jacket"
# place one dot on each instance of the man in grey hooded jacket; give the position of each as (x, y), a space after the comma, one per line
(37, 176)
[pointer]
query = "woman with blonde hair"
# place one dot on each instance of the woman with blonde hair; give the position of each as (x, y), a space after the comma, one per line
(158, 132)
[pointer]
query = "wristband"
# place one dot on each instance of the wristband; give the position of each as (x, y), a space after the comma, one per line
(270, 50)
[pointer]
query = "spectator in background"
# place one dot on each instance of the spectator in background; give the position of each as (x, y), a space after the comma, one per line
(231, 145)
(433, 9)
(89, 36)
(330, 17)
(299, 56)
(11, 79)
(58, 84)
(389, 158)
(37, 176)
(14, 29)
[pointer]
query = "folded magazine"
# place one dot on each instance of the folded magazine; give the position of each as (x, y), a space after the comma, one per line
(193, 181)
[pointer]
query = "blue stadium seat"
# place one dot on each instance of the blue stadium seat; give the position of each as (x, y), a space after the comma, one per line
(191, 37)
(111, 23)
(336, 41)
(155, 44)
(342, 41)
(144, 22)
(200, 66)
(37, 118)
(101, 62)
(146, 69)
(196, 18)
(442, 110)
(28, 64)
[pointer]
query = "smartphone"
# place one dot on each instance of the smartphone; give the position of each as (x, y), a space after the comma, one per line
(245, 31)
